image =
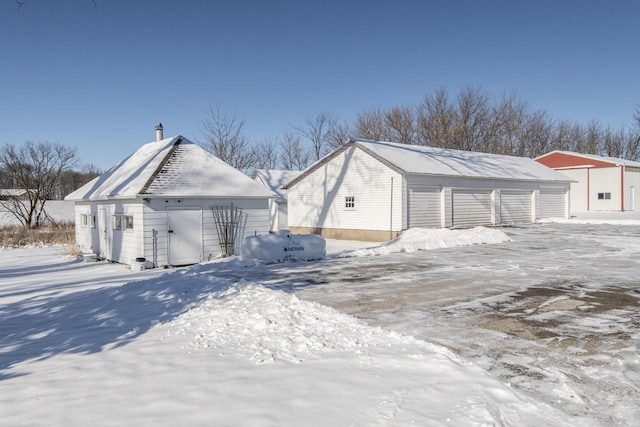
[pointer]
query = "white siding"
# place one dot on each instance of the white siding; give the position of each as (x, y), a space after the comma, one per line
(515, 207)
(318, 201)
(256, 222)
(273, 216)
(282, 216)
(632, 186)
(87, 237)
(128, 244)
(605, 180)
(425, 206)
(471, 207)
(578, 194)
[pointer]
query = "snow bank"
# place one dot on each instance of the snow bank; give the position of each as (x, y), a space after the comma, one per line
(274, 325)
(279, 247)
(433, 238)
(597, 218)
(595, 221)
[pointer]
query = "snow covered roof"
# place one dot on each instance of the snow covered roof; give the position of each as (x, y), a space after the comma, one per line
(424, 160)
(12, 192)
(172, 167)
(614, 160)
(275, 179)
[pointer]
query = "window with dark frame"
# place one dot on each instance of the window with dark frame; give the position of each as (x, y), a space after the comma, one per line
(604, 196)
(350, 202)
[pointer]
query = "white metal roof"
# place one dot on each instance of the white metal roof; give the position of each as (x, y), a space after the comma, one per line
(424, 160)
(172, 167)
(275, 179)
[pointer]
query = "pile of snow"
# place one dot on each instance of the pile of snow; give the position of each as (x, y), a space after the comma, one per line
(284, 246)
(83, 345)
(416, 239)
(273, 325)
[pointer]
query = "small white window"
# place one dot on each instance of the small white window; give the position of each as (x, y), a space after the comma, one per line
(350, 202)
(88, 220)
(604, 196)
(117, 222)
(123, 222)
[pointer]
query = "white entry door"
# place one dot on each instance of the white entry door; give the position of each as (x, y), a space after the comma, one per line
(104, 232)
(184, 229)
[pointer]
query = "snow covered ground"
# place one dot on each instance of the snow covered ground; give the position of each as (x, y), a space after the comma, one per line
(526, 326)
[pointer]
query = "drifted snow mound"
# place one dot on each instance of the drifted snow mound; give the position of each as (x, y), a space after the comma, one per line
(274, 325)
(416, 239)
(280, 247)
(340, 355)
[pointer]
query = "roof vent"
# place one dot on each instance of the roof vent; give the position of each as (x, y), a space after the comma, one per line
(159, 135)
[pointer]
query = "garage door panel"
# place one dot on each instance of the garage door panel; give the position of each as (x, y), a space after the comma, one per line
(424, 206)
(515, 207)
(471, 208)
(552, 203)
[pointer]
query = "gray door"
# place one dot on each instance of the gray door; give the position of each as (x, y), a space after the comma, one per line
(184, 228)
(515, 207)
(424, 207)
(471, 207)
(552, 203)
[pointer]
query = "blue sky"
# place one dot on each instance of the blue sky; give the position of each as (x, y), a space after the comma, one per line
(101, 78)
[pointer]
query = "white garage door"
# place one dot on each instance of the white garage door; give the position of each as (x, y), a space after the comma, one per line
(424, 207)
(552, 203)
(515, 207)
(471, 208)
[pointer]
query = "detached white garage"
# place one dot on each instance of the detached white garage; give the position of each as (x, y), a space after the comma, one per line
(374, 190)
(169, 203)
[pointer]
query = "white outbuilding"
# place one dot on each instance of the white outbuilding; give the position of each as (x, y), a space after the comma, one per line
(274, 180)
(169, 203)
(374, 190)
(600, 183)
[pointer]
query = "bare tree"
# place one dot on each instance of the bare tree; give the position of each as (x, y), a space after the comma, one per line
(71, 180)
(633, 148)
(614, 143)
(224, 138)
(591, 138)
(401, 125)
(293, 155)
(437, 120)
(318, 130)
(341, 133)
(35, 168)
(371, 125)
(537, 134)
(472, 120)
(266, 154)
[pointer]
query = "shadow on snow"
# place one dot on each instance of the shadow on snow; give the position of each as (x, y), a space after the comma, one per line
(92, 320)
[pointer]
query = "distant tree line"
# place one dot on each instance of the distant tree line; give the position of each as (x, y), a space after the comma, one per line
(35, 172)
(472, 120)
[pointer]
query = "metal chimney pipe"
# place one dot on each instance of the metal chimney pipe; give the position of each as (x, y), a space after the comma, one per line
(159, 135)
